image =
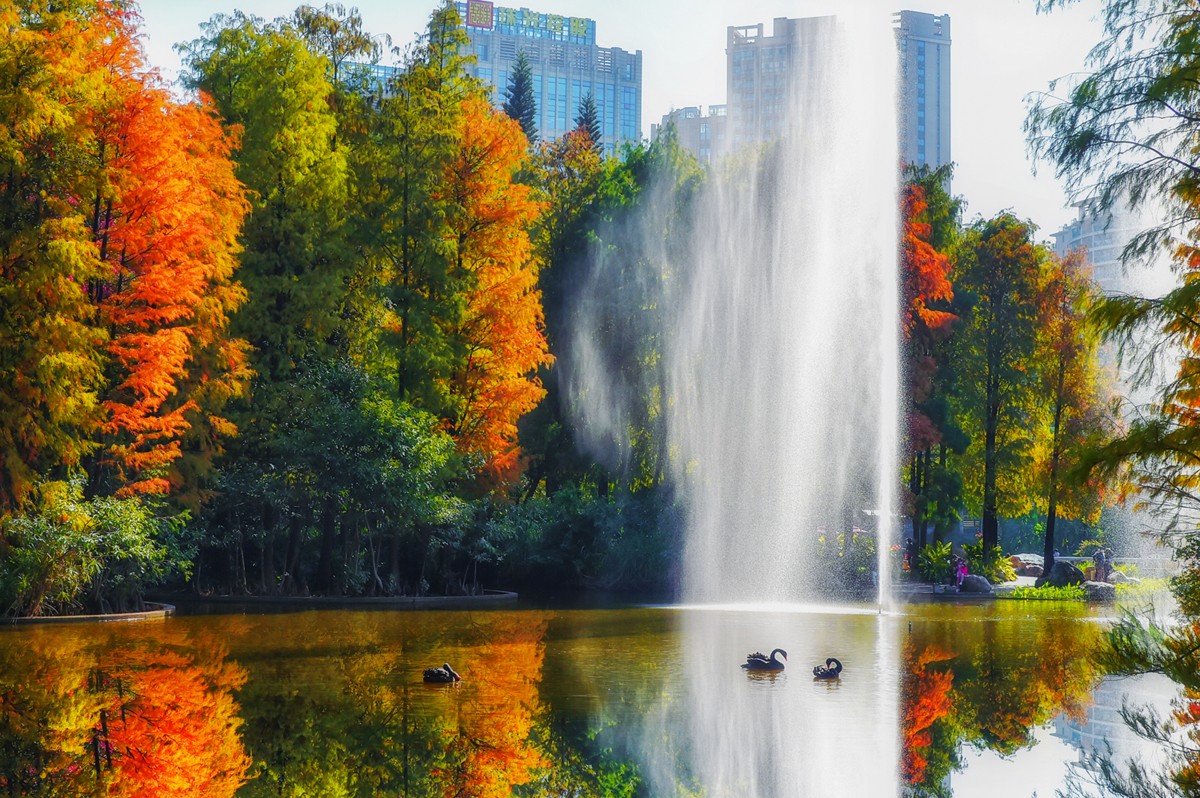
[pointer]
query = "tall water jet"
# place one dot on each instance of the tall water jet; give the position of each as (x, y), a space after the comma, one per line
(782, 354)
(778, 330)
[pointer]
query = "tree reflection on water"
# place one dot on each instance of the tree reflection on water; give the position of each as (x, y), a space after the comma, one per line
(99, 715)
(989, 685)
(551, 703)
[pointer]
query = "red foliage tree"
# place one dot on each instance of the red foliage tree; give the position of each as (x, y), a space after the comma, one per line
(926, 286)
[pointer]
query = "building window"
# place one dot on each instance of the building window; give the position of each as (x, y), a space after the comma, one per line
(628, 113)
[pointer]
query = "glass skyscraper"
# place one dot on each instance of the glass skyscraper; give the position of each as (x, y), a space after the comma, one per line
(566, 64)
(923, 42)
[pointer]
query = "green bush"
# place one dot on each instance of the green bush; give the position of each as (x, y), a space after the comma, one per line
(936, 563)
(1047, 593)
(998, 571)
(1146, 589)
(66, 554)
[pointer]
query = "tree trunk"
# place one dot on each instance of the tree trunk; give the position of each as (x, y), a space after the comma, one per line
(291, 581)
(917, 488)
(328, 540)
(1052, 489)
(991, 530)
(267, 567)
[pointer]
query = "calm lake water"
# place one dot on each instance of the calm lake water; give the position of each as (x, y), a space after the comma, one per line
(972, 700)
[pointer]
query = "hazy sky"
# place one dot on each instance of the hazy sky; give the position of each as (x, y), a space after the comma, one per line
(1001, 51)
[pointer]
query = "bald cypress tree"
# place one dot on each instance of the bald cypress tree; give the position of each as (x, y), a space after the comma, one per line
(519, 102)
(587, 119)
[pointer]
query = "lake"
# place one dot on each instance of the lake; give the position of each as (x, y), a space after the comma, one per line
(995, 698)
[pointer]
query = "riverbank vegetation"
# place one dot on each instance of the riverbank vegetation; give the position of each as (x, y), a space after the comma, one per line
(306, 328)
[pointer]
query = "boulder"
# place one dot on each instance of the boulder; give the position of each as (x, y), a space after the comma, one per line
(1030, 570)
(1118, 578)
(1061, 575)
(1100, 591)
(974, 583)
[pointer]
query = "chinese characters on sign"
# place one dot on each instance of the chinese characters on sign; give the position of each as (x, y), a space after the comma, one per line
(531, 23)
(479, 14)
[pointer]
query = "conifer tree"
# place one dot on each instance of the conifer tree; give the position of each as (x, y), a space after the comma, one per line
(588, 120)
(519, 102)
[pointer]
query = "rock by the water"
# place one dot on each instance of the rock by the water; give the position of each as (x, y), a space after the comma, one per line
(1031, 570)
(1061, 575)
(1100, 591)
(1118, 578)
(974, 583)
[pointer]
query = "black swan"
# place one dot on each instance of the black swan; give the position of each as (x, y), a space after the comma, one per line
(760, 662)
(830, 670)
(442, 675)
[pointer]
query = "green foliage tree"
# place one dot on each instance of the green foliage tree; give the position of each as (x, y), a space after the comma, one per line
(411, 258)
(68, 553)
(50, 344)
(587, 119)
(1001, 268)
(1126, 133)
(519, 102)
(1078, 415)
(294, 266)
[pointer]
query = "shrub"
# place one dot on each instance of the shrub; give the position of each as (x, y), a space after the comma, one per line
(999, 570)
(65, 554)
(1047, 593)
(935, 563)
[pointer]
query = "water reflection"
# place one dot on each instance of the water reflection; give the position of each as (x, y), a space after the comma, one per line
(344, 711)
(726, 732)
(87, 712)
(633, 702)
(988, 683)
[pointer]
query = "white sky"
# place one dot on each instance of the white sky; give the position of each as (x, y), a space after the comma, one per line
(1001, 51)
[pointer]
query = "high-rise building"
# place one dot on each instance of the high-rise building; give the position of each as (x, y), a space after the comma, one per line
(699, 133)
(923, 42)
(566, 63)
(1104, 236)
(760, 71)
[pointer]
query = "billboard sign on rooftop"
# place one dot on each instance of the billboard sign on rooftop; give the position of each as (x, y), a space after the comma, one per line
(479, 14)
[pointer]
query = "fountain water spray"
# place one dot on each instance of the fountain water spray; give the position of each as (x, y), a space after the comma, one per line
(779, 340)
(782, 350)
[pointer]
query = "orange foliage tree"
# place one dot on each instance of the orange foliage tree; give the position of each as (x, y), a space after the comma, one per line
(502, 327)
(119, 214)
(165, 214)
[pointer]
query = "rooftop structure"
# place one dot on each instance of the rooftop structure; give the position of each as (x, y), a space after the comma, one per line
(702, 134)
